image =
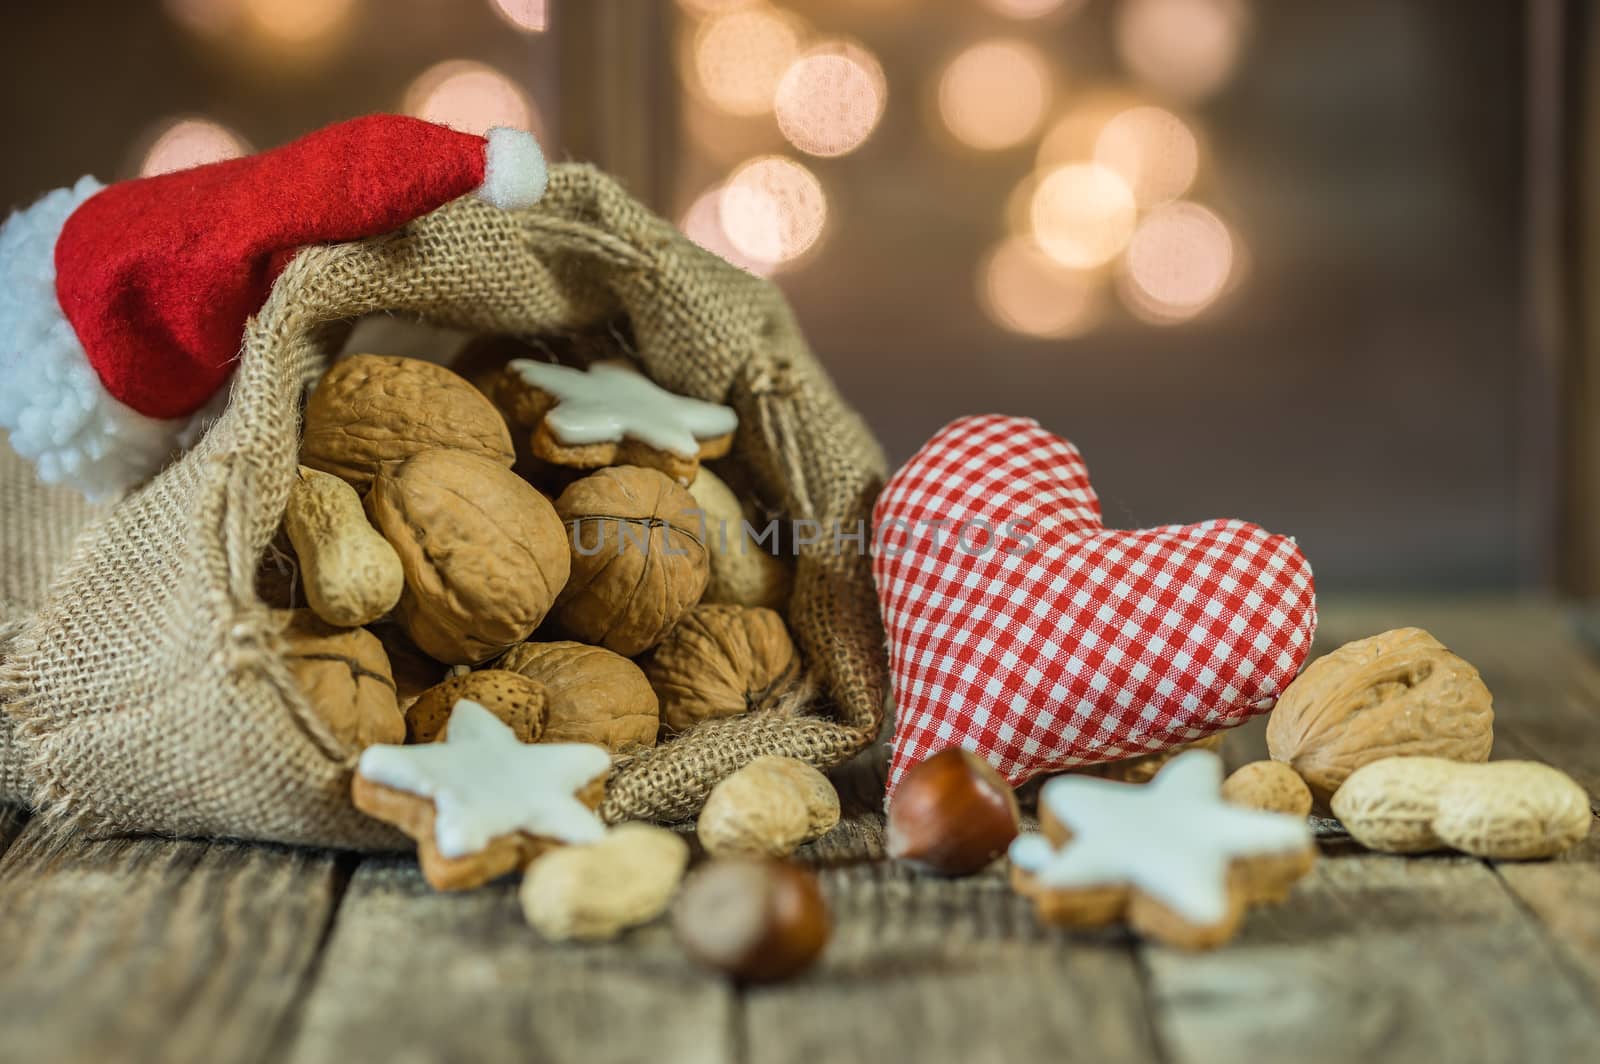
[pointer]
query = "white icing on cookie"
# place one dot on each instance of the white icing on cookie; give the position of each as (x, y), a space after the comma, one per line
(612, 401)
(484, 782)
(1172, 838)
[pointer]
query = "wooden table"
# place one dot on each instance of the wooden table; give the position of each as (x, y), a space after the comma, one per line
(145, 949)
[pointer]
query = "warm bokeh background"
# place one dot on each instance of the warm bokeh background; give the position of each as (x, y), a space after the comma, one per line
(1302, 262)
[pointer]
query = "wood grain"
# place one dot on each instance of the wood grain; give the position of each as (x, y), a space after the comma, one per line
(924, 969)
(147, 949)
(172, 950)
(410, 974)
(1378, 959)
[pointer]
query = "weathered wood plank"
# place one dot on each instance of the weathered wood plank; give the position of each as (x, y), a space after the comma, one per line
(146, 949)
(410, 974)
(1378, 959)
(928, 969)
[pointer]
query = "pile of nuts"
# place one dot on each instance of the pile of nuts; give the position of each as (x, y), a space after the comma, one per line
(429, 543)
(440, 558)
(1392, 734)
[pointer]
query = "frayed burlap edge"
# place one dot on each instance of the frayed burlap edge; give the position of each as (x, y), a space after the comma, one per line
(149, 692)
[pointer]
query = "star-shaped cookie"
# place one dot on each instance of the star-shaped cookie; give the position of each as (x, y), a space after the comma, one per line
(1171, 857)
(480, 803)
(611, 414)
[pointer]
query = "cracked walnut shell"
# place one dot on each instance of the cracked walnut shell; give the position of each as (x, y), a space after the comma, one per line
(720, 661)
(484, 553)
(372, 410)
(1400, 693)
(638, 559)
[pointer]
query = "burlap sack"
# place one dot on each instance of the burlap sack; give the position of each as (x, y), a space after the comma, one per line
(147, 689)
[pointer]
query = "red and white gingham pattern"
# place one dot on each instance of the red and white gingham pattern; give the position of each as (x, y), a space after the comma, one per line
(1022, 629)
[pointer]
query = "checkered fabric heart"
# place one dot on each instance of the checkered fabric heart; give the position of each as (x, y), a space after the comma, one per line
(1023, 629)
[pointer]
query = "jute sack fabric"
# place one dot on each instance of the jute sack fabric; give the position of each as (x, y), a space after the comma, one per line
(38, 524)
(147, 690)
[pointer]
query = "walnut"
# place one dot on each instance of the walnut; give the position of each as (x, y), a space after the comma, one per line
(638, 560)
(743, 573)
(517, 700)
(720, 661)
(372, 410)
(1399, 693)
(484, 553)
(344, 674)
(591, 694)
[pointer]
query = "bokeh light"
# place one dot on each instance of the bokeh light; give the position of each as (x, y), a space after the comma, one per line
(1019, 205)
(714, 7)
(298, 22)
(1178, 262)
(210, 17)
(1072, 137)
(1027, 292)
(738, 58)
(994, 94)
(1153, 150)
(830, 99)
(1187, 48)
(187, 142)
(1030, 8)
(529, 16)
(702, 223)
(773, 209)
(1083, 215)
(470, 96)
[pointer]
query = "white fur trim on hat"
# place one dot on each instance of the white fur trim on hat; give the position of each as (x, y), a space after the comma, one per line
(52, 403)
(514, 173)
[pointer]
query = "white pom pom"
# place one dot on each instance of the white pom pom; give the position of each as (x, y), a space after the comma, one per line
(57, 412)
(514, 172)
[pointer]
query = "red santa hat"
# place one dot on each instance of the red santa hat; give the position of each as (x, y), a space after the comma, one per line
(122, 307)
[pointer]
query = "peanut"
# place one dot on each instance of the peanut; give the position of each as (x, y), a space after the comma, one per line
(352, 575)
(1504, 809)
(595, 892)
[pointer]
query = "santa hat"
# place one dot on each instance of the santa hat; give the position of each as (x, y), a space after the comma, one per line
(122, 307)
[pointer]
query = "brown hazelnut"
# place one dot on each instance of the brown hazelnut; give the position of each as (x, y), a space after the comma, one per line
(952, 814)
(757, 921)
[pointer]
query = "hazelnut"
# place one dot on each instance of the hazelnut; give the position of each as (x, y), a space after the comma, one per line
(1270, 786)
(757, 921)
(952, 814)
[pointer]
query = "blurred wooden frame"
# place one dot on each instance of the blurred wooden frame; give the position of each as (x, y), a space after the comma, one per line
(618, 100)
(1581, 391)
(1562, 260)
